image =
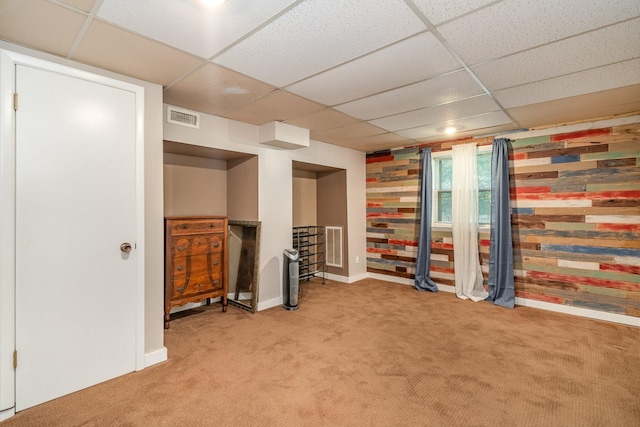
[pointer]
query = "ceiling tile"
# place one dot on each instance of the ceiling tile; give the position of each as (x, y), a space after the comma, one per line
(370, 143)
(40, 24)
(602, 78)
(209, 30)
(417, 58)
(327, 118)
(511, 26)
(203, 90)
(438, 11)
(477, 133)
(346, 133)
(85, 5)
(114, 49)
(579, 108)
(446, 88)
(608, 45)
(275, 106)
(317, 35)
(438, 114)
(477, 122)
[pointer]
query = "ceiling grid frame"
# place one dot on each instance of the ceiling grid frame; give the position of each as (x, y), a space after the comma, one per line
(337, 97)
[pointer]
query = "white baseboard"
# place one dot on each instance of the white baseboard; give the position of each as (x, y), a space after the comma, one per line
(7, 413)
(190, 305)
(346, 279)
(263, 305)
(155, 357)
(578, 311)
(241, 296)
(525, 302)
(394, 279)
(410, 282)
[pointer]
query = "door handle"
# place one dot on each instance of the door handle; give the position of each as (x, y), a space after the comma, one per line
(125, 247)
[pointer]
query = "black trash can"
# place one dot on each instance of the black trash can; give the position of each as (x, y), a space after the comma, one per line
(290, 280)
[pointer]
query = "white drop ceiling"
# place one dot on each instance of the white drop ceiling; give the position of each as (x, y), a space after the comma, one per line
(365, 74)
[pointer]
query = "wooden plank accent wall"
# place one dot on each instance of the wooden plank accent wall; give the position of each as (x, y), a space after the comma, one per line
(575, 202)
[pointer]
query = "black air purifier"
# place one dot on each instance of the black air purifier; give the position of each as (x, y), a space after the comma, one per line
(290, 279)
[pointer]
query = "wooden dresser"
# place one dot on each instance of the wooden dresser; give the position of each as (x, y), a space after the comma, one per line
(196, 261)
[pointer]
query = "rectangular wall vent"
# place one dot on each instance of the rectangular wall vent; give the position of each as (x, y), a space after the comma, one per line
(181, 117)
(333, 242)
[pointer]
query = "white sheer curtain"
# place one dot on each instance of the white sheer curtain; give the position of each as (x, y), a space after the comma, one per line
(464, 223)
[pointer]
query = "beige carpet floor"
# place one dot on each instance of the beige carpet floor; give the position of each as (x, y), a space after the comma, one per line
(372, 353)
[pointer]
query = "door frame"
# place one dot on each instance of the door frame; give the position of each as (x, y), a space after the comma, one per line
(8, 62)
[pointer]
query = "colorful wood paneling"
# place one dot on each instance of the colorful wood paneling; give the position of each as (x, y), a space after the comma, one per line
(575, 200)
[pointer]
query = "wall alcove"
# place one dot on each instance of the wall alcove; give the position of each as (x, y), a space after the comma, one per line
(320, 198)
(207, 181)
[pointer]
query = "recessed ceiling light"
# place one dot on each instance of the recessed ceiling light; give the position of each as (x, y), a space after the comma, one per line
(450, 129)
(234, 90)
(212, 3)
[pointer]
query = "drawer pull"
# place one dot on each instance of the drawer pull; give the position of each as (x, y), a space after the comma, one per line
(185, 226)
(216, 245)
(180, 248)
(180, 268)
(180, 289)
(215, 282)
(212, 225)
(216, 263)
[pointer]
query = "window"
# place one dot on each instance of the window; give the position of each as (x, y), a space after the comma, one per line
(442, 178)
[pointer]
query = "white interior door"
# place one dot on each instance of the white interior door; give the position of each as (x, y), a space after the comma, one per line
(75, 205)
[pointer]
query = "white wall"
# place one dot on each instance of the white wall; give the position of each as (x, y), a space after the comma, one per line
(275, 191)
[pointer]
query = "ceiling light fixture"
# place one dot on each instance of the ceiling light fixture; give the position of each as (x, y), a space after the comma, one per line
(213, 3)
(450, 129)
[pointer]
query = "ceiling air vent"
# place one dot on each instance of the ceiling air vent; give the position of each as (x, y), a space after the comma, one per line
(181, 117)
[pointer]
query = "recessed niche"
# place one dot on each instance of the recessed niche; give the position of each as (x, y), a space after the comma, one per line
(207, 181)
(320, 198)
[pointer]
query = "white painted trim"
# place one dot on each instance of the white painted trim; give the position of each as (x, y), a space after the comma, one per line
(8, 61)
(242, 296)
(7, 232)
(274, 302)
(525, 302)
(7, 413)
(140, 226)
(346, 279)
(578, 311)
(394, 279)
(410, 282)
(621, 121)
(357, 278)
(155, 357)
(190, 305)
(336, 278)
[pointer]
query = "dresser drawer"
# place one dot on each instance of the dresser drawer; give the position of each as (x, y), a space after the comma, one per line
(197, 275)
(196, 226)
(199, 244)
(197, 264)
